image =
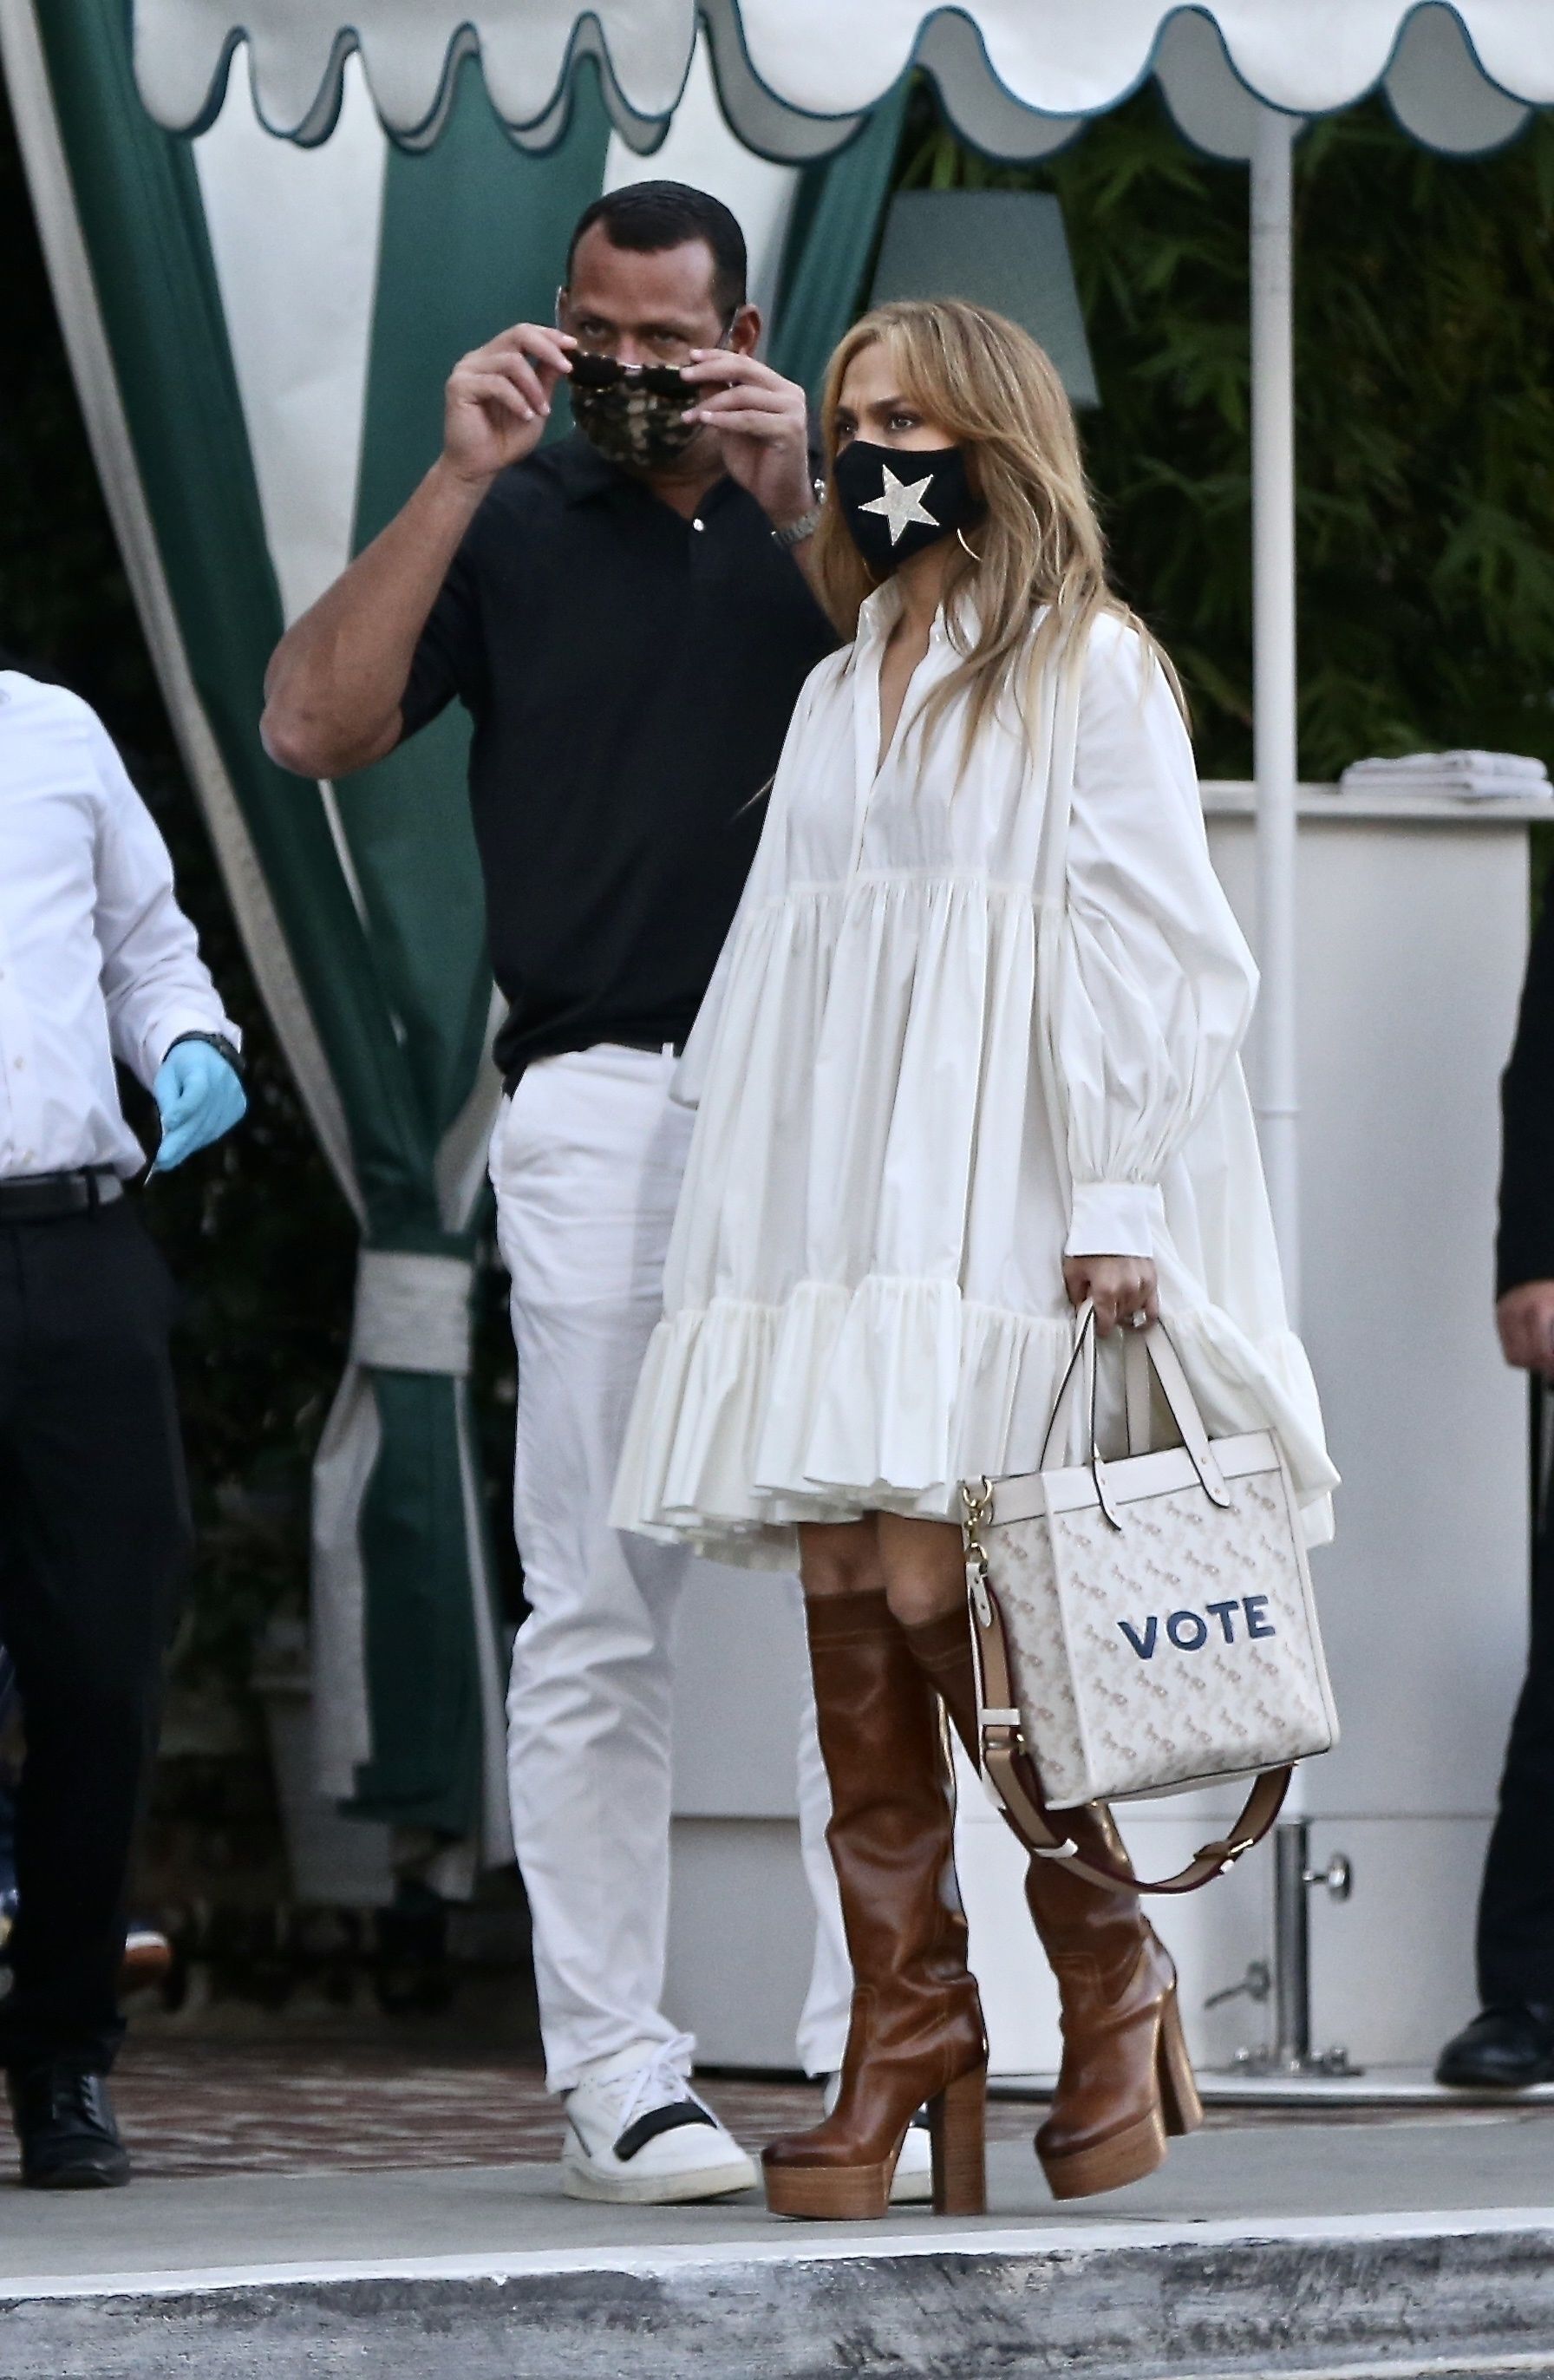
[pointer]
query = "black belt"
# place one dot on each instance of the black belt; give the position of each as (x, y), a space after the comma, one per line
(41, 1198)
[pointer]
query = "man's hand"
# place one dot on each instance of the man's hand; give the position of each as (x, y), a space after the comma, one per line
(1118, 1286)
(762, 423)
(499, 400)
(1524, 1318)
(200, 1098)
(335, 685)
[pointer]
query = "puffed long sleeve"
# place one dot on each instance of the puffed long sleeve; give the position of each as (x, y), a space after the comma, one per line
(1155, 986)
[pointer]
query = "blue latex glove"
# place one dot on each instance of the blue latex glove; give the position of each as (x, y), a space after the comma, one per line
(199, 1097)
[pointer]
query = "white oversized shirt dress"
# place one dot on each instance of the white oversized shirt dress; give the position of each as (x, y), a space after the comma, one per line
(970, 1017)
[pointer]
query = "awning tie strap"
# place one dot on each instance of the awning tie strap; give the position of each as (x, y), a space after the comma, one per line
(412, 1312)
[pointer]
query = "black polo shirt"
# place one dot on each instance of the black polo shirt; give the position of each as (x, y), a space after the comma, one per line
(631, 675)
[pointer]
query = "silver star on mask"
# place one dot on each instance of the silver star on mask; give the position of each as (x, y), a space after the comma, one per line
(902, 504)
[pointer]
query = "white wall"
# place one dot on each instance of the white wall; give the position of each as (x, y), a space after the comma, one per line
(1413, 939)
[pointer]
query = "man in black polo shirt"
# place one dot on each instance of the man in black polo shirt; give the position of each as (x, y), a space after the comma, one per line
(625, 615)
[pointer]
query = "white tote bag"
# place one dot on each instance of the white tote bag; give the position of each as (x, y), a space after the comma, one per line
(1144, 1625)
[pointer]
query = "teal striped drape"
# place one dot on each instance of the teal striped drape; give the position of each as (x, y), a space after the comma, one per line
(835, 225)
(388, 951)
(471, 229)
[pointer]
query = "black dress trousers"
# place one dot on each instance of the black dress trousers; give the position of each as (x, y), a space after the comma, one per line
(1516, 1904)
(94, 1532)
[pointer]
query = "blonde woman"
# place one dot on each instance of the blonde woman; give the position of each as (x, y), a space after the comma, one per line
(937, 1110)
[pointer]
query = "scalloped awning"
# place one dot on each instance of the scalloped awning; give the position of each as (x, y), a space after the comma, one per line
(1017, 77)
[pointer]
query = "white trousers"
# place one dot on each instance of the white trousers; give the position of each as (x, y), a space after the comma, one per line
(586, 1160)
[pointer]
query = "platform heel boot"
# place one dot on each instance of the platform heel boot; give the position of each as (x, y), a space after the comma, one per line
(1126, 2084)
(916, 2034)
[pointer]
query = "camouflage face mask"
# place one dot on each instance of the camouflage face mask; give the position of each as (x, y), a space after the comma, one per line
(635, 418)
(635, 414)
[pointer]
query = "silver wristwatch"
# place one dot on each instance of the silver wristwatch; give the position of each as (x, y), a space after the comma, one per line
(794, 532)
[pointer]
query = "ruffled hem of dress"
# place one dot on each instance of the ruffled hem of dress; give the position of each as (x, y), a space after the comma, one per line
(750, 1418)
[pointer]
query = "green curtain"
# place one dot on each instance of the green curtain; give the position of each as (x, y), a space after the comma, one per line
(389, 953)
(398, 990)
(831, 243)
(471, 231)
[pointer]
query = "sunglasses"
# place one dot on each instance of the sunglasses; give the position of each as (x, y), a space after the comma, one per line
(608, 371)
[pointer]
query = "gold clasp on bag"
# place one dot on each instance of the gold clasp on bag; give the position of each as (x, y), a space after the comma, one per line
(978, 1502)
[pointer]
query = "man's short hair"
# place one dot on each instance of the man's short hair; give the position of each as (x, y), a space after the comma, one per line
(646, 217)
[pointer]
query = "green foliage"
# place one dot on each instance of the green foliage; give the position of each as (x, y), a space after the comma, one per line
(1425, 363)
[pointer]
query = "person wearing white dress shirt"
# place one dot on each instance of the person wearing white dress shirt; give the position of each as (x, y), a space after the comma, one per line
(97, 964)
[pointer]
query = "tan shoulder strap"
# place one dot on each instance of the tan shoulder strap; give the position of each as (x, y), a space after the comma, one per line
(1010, 1773)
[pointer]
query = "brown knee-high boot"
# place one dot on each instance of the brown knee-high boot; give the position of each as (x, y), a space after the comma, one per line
(916, 2032)
(1126, 2082)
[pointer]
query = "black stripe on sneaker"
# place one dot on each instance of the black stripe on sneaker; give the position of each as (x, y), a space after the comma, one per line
(667, 2118)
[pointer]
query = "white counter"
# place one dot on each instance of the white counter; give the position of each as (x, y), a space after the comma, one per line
(1235, 797)
(1412, 919)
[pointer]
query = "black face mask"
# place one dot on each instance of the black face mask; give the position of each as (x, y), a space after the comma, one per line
(895, 501)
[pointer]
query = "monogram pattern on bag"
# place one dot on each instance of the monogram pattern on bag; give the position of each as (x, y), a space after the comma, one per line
(1180, 1648)
(1025, 1582)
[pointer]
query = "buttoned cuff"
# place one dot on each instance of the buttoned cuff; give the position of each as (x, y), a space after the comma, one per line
(179, 1027)
(1113, 1218)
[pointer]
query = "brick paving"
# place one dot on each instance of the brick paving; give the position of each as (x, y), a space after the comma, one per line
(200, 2107)
(207, 2107)
(344, 2105)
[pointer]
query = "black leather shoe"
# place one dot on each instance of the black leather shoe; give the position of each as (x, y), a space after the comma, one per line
(65, 2123)
(1504, 2049)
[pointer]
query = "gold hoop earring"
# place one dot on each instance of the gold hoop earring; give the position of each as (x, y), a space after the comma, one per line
(960, 539)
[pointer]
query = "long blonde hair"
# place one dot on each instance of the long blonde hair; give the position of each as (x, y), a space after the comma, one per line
(997, 395)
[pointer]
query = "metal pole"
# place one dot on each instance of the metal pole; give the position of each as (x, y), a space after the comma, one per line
(1273, 675)
(1275, 766)
(1292, 1968)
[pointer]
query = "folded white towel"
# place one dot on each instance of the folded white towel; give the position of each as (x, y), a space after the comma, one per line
(1461, 789)
(1451, 764)
(1461, 776)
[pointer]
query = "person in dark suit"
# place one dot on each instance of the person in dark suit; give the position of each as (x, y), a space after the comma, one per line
(1510, 2043)
(98, 965)
(147, 1953)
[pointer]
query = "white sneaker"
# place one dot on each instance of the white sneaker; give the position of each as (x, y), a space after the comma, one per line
(638, 2135)
(912, 2183)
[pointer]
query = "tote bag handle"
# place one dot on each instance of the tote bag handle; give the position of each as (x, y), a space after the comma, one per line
(1144, 1351)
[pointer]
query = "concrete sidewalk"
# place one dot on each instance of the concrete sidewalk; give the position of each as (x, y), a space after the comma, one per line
(1464, 2163)
(1418, 2246)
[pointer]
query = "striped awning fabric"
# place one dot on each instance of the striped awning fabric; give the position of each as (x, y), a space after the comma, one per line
(795, 77)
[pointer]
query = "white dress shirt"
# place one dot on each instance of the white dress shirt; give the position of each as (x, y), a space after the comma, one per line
(97, 960)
